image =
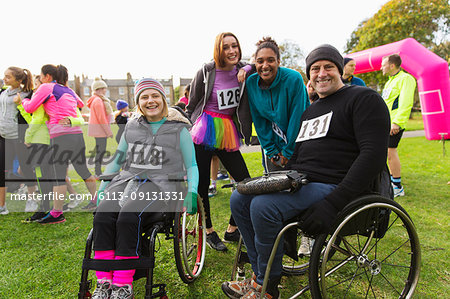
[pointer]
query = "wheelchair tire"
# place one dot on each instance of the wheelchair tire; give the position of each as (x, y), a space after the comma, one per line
(366, 263)
(270, 183)
(190, 243)
(292, 267)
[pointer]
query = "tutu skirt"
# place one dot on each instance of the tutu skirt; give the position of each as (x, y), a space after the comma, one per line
(216, 131)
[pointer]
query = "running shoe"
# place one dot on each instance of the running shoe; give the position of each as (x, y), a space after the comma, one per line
(74, 203)
(212, 191)
(35, 217)
(49, 219)
(232, 237)
(398, 191)
(31, 206)
(222, 176)
(305, 247)
(90, 206)
(214, 242)
(4, 210)
(103, 290)
(124, 292)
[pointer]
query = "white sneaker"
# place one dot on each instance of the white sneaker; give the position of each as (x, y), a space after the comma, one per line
(398, 191)
(305, 246)
(74, 203)
(31, 206)
(22, 190)
(4, 210)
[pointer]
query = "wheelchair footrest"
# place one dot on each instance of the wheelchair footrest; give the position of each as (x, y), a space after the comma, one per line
(112, 265)
(161, 290)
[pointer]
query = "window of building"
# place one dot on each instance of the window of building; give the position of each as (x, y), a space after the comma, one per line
(121, 91)
(87, 91)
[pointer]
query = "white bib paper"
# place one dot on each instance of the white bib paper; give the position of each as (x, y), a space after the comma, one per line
(228, 98)
(146, 157)
(315, 128)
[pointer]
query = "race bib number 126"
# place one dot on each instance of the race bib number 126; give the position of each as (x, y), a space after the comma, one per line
(228, 98)
(314, 128)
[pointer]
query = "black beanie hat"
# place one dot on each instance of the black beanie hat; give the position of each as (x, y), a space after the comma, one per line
(347, 60)
(325, 52)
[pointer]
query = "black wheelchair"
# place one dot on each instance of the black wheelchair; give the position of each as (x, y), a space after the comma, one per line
(373, 250)
(189, 243)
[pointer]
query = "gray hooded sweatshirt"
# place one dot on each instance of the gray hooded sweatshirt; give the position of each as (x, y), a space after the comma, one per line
(9, 128)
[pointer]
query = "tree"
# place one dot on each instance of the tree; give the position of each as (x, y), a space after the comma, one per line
(427, 21)
(291, 55)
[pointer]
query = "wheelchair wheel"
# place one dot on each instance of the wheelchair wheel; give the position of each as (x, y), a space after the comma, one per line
(292, 267)
(190, 243)
(380, 259)
(272, 182)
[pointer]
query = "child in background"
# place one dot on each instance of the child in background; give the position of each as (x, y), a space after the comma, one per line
(100, 117)
(20, 82)
(121, 117)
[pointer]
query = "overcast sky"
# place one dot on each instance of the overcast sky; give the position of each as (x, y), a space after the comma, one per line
(162, 38)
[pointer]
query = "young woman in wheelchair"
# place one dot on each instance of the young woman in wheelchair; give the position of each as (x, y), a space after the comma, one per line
(155, 153)
(341, 147)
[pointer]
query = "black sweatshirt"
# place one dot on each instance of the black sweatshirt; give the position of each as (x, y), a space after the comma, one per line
(352, 151)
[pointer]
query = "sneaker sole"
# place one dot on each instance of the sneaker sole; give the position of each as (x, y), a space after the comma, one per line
(225, 289)
(56, 222)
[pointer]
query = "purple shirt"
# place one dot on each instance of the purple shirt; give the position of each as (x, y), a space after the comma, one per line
(225, 94)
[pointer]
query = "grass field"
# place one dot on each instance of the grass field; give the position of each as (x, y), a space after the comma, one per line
(45, 261)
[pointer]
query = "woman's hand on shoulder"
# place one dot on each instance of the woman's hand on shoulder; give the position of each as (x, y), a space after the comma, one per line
(241, 75)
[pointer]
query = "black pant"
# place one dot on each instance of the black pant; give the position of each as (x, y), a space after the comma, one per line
(232, 161)
(9, 150)
(68, 148)
(100, 149)
(120, 228)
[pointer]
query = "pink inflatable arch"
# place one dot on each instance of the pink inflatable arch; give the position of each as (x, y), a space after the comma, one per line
(431, 73)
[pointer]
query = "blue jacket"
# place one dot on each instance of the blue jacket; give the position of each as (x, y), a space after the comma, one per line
(276, 111)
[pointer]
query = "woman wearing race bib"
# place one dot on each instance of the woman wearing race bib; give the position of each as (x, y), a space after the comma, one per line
(221, 118)
(277, 98)
(155, 153)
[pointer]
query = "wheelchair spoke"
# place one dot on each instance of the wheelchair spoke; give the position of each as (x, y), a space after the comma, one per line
(387, 280)
(369, 288)
(397, 249)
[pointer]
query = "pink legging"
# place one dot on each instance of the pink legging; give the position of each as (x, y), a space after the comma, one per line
(119, 277)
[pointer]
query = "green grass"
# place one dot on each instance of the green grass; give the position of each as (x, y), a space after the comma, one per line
(415, 122)
(45, 261)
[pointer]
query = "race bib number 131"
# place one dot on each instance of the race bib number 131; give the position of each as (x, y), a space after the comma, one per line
(314, 128)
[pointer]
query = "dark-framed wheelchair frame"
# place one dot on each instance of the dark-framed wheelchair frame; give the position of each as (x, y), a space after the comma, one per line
(173, 226)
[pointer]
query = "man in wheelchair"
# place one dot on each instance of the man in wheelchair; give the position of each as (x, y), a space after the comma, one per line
(341, 147)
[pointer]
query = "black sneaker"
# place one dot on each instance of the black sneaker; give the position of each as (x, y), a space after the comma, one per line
(49, 219)
(232, 237)
(35, 217)
(214, 242)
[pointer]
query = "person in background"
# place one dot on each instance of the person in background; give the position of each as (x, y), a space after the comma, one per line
(214, 101)
(66, 137)
(121, 117)
(100, 117)
(19, 82)
(398, 93)
(349, 69)
(185, 98)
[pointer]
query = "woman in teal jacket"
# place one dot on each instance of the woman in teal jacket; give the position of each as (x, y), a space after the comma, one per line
(277, 98)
